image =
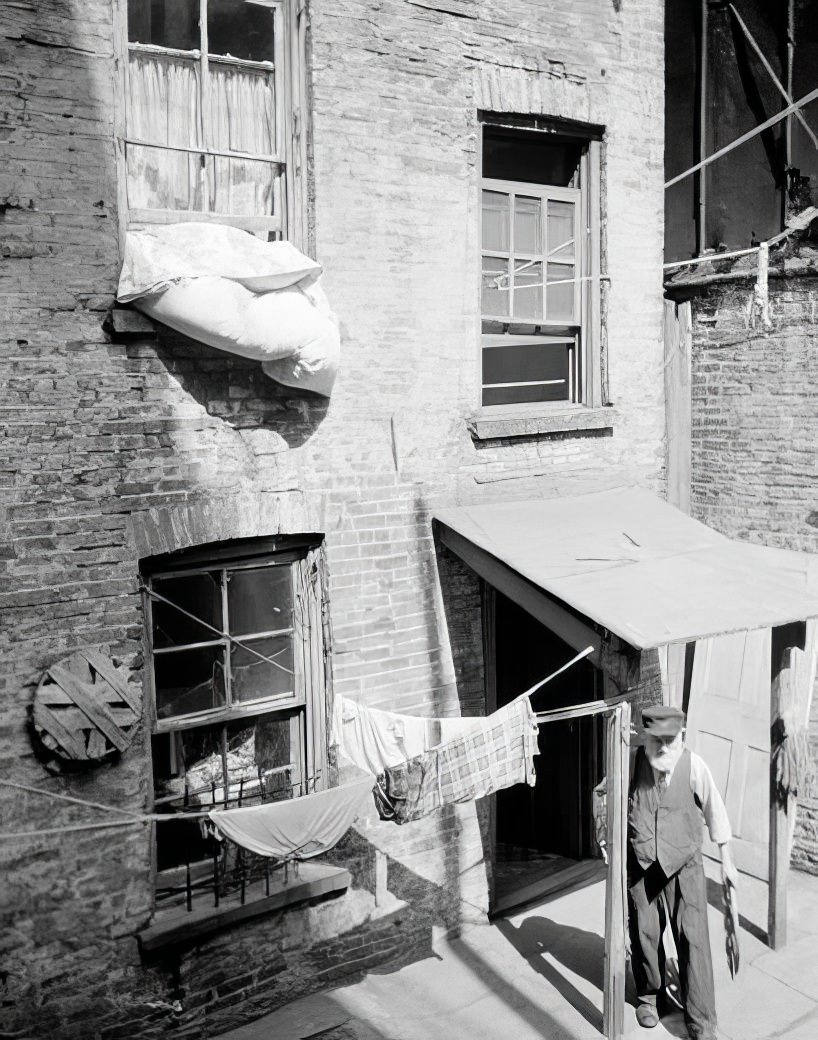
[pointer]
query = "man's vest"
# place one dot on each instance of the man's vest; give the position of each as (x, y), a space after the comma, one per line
(666, 830)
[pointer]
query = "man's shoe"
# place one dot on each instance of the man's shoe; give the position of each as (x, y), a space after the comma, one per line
(647, 1016)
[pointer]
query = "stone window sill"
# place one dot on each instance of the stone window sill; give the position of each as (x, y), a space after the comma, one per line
(567, 420)
(176, 926)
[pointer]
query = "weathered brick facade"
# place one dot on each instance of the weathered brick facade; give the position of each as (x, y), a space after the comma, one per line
(118, 450)
(755, 427)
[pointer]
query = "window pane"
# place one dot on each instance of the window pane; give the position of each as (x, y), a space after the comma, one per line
(269, 763)
(561, 244)
(525, 362)
(523, 395)
(182, 841)
(560, 298)
(496, 221)
(165, 23)
(163, 108)
(242, 187)
(528, 289)
(188, 681)
(197, 594)
(495, 276)
(527, 225)
(253, 678)
(163, 100)
(259, 599)
(240, 29)
(242, 110)
(529, 156)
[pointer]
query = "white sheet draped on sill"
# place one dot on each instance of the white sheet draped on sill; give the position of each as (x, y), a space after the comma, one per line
(300, 828)
(225, 288)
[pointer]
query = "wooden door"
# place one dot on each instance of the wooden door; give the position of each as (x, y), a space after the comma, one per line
(728, 724)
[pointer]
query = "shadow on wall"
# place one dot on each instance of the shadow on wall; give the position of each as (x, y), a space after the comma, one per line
(236, 390)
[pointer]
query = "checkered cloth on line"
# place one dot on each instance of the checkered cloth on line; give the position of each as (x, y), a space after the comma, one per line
(500, 754)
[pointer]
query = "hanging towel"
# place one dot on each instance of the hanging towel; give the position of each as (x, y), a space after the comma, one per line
(478, 763)
(373, 739)
(297, 829)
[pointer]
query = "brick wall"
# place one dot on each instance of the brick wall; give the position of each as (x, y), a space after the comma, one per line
(755, 427)
(113, 451)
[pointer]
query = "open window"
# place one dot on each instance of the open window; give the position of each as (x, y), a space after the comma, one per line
(236, 669)
(540, 230)
(213, 114)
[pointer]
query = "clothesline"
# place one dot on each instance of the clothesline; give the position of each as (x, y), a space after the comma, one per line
(547, 285)
(216, 816)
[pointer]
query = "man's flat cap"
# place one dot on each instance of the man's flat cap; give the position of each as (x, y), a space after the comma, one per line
(662, 720)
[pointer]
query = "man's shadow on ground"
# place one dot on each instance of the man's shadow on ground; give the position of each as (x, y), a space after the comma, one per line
(542, 941)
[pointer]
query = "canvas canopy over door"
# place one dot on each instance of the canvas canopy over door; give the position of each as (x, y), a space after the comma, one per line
(622, 571)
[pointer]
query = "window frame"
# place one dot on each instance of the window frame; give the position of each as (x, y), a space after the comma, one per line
(309, 699)
(288, 66)
(588, 373)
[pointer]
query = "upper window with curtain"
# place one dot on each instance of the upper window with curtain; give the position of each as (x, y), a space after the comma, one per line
(537, 254)
(207, 134)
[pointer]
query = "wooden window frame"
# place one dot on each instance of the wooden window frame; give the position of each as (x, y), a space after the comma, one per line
(586, 367)
(305, 705)
(288, 65)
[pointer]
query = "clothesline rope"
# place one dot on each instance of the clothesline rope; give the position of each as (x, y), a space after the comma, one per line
(133, 818)
(547, 285)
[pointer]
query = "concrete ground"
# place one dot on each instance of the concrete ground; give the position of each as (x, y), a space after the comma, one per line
(538, 974)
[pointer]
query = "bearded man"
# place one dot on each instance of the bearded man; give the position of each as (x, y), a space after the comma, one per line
(671, 790)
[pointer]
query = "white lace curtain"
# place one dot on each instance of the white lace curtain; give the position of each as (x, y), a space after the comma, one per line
(164, 106)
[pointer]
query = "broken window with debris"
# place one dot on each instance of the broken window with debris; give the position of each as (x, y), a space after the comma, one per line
(540, 256)
(208, 135)
(236, 667)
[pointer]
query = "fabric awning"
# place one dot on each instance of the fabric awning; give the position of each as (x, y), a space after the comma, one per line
(637, 566)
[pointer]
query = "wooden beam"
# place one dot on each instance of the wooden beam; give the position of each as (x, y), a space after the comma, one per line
(786, 641)
(701, 208)
(678, 404)
(616, 908)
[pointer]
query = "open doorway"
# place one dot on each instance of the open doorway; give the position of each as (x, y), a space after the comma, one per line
(543, 836)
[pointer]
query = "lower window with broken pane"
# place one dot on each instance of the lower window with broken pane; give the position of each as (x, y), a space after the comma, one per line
(239, 702)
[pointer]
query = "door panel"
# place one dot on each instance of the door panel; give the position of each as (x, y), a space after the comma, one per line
(728, 724)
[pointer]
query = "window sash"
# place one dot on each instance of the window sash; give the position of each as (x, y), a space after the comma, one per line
(545, 257)
(232, 708)
(571, 382)
(224, 195)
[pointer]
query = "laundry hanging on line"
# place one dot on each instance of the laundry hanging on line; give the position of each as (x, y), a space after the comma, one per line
(497, 754)
(373, 739)
(297, 829)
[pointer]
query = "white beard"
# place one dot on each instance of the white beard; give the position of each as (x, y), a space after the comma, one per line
(665, 763)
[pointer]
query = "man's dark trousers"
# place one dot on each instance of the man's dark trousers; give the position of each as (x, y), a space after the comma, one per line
(664, 854)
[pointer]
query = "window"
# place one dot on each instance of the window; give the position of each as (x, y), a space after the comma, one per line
(540, 255)
(236, 667)
(207, 133)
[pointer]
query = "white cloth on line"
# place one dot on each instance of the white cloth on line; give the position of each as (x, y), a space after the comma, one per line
(297, 829)
(374, 740)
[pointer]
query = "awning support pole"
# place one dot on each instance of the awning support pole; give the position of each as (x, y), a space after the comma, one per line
(616, 906)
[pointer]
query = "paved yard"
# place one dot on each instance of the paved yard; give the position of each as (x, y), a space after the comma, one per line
(538, 974)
